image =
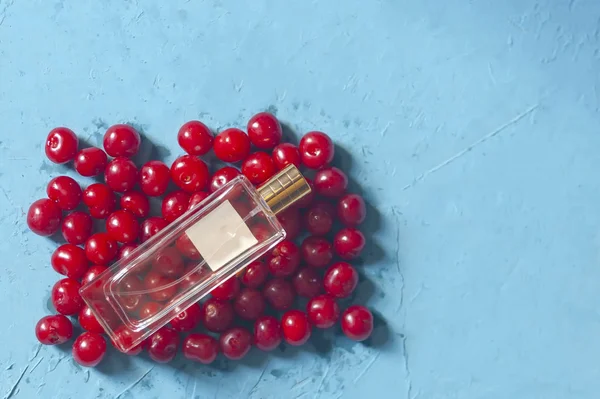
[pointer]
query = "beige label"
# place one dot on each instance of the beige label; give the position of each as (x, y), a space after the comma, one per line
(221, 235)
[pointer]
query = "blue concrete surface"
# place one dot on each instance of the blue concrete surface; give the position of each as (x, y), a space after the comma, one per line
(472, 127)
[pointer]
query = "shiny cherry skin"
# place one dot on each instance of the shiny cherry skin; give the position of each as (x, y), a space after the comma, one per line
(190, 173)
(316, 251)
(264, 130)
(160, 286)
(128, 284)
(357, 322)
(200, 348)
(65, 191)
(69, 260)
(295, 327)
(290, 220)
(149, 309)
(197, 198)
(284, 259)
(54, 330)
(169, 262)
(194, 276)
(121, 174)
(249, 304)
(309, 198)
(89, 349)
(195, 138)
(323, 311)
(351, 210)
(174, 205)
(90, 162)
(318, 219)
(340, 280)
(261, 231)
(136, 203)
(255, 274)
(77, 227)
(227, 290)
(349, 243)
(232, 145)
(331, 182)
(186, 247)
(122, 226)
(154, 178)
(100, 200)
(101, 249)
(61, 145)
(188, 319)
(279, 294)
(65, 297)
(217, 315)
(121, 141)
(93, 272)
(163, 345)
(285, 154)
(267, 333)
(124, 338)
(222, 177)
(43, 217)
(316, 150)
(88, 321)
(307, 283)
(235, 343)
(151, 226)
(258, 167)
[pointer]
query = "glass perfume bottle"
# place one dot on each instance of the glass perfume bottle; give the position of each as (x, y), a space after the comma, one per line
(182, 263)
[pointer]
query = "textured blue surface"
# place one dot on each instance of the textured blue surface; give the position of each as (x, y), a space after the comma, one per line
(473, 127)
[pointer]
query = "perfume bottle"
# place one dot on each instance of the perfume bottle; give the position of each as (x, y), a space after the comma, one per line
(181, 264)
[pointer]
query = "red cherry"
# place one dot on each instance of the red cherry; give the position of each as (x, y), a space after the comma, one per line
(249, 304)
(279, 293)
(169, 262)
(227, 290)
(200, 348)
(92, 273)
(187, 248)
(217, 315)
(69, 260)
(349, 243)
(197, 198)
(61, 145)
(295, 327)
(331, 182)
(357, 323)
(89, 349)
(160, 287)
(65, 192)
(88, 321)
(188, 319)
(308, 199)
(316, 251)
(307, 283)
(124, 338)
(121, 174)
(151, 226)
(136, 203)
(43, 217)
(65, 297)
(193, 276)
(340, 280)
(90, 161)
(100, 200)
(125, 250)
(128, 285)
(267, 333)
(100, 248)
(323, 311)
(77, 227)
(255, 274)
(163, 345)
(54, 330)
(318, 219)
(235, 343)
(121, 141)
(190, 173)
(122, 226)
(261, 231)
(351, 210)
(231, 145)
(222, 177)
(285, 154)
(149, 309)
(195, 138)
(316, 150)
(284, 259)
(174, 205)
(290, 221)
(258, 167)
(154, 178)
(264, 130)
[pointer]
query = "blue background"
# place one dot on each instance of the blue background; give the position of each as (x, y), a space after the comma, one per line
(471, 127)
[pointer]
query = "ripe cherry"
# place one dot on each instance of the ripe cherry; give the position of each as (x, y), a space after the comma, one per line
(195, 138)
(285, 154)
(227, 290)
(92, 273)
(290, 221)
(307, 283)
(316, 251)
(100, 200)
(136, 203)
(264, 130)
(284, 259)
(90, 161)
(349, 243)
(61, 145)
(231, 145)
(351, 210)
(163, 345)
(151, 226)
(235, 343)
(101, 249)
(190, 173)
(316, 150)
(149, 309)
(121, 174)
(258, 167)
(69, 260)
(330, 182)
(319, 218)
(54, 330)
(200, 348)
(357, 323)
(295, 327)
(121, 141)
(217, 315)
(279, 293)
(187, 248)
(255, 274)
(222, 177)
(267, 333)
(43, 217)
(197, 198)
(340, 280)
(194, 276)
(169, 262)
(65, 191)
(154, 178)
(124, 339)
(122, 226)
(174, 205)
(89, 349)
(77, 227)
(65, 297)
(188, 319)
(249, 304)
(88, 321)
(127, 289)
(323, 311)
(160, 287)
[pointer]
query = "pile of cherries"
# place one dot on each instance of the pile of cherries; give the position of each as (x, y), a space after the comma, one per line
(261, 297)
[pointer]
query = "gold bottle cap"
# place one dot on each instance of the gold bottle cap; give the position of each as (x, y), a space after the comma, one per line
(285, 188)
